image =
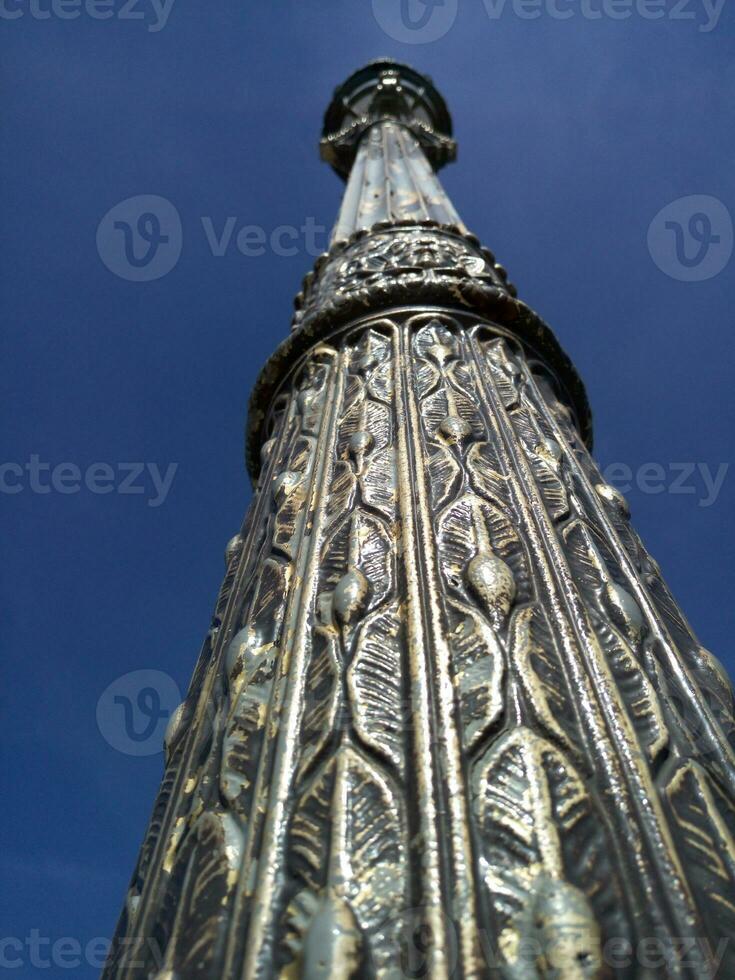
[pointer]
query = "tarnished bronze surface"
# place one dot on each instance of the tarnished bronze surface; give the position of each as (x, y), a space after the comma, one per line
(448, 720)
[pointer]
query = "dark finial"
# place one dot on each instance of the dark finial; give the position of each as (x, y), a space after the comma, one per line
(386, 89)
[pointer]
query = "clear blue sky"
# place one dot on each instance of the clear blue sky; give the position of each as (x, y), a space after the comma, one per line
(574, 133)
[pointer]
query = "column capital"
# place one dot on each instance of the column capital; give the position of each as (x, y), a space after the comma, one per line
(386, 89)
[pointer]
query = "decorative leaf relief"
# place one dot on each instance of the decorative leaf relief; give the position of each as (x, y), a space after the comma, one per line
(445, 477)
(610, 603)
(372, 349)
(241, 747)
(617, 610)
(545, 457)
(544, 861)
(471, 528)
(487, 475)
(672, 616)
(200, 906)
(616, 507)
(447, 404)
(311, 828)
(311, 398)
(426, 378)
(538, 667)
(288, 450)
(378, 482)
(199, 796)
(360, 543)
(206, 662)
(325, 940)
(322, 696)
(341, 493)
(380, 381)
(250, 665)
(709, 678)
(350, 596)
(589, 565)
(282, 423)
(541, 392)
(375, 683)
(289, 490)
(155, 826)
(201, 790)
(277, 420)
(534, 430)
(478, 669)
(453, 429)
(504, 370)
(354, 393)
(708, 851)
(262, 632)
(493, 584)
(436, 342)
(296, 465)
(347, 849)
(631, 542)
(638, 692)
(352, 413)
(365, 421)
(378, 424)
(371, 358)
(243, 738)
(459, 375)
(232, 566)
(712, 680)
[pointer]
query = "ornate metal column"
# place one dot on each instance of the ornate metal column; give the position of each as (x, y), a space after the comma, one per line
(448, 720)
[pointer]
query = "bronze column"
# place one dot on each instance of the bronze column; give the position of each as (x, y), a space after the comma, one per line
(448, 720)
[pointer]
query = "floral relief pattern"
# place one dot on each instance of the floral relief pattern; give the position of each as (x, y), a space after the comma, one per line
(448, 717)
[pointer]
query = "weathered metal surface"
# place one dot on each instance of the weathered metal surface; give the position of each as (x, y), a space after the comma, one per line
(448, 720)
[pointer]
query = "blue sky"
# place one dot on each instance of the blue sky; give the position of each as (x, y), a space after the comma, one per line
(574, 132)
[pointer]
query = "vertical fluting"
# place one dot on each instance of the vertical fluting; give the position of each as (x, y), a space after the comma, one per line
(448, 720)
(391, 180)
(346, 222)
